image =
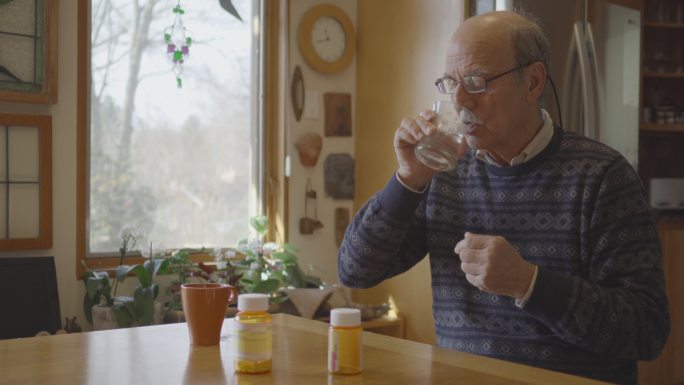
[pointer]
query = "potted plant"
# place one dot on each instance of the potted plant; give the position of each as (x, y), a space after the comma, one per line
(100, 296)
(141, 309)
(180, 264)
(269, 267)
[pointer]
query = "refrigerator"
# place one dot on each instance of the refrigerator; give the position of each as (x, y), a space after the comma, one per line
(595, 62)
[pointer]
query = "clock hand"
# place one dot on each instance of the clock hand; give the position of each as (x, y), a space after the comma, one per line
(322, 40)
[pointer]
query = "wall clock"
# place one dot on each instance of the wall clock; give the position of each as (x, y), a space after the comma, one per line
(327, 39)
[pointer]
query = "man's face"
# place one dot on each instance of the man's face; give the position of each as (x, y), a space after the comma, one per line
(492, 117)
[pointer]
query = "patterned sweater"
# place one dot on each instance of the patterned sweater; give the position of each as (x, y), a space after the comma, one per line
(577, 210)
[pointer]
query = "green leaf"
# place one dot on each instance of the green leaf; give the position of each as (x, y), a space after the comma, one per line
(313, 281)
(278, 299)
(88, 304)
(284, 257)
(140, 272)
(159, 264)
(259, 224)
(295, 276)
(230, 8)
(123, 313)
(266, 286)
(93, 288)
(155, 290)
(290, 249)
(144, 305)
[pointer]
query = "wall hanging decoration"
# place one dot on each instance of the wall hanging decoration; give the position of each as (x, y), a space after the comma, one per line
(25, 182)
(337, 114)
(339, 176)
(178, 41)
(28, 51)
(308, 225)
(327, 39)
(341, 223)
(309, 147)
(297, 93)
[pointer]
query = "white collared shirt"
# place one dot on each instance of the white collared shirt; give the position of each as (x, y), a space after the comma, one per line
(536, 145)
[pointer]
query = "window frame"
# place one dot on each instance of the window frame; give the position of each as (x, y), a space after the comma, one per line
(274, 191)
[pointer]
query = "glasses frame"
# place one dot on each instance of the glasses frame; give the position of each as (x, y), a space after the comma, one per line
(471, 80)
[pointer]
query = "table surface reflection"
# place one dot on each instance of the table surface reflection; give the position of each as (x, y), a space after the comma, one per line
(162, 355)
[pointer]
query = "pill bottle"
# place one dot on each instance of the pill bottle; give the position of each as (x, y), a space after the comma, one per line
(253, 334)
(344, 341)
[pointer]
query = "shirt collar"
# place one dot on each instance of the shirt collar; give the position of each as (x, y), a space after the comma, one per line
(536, 145)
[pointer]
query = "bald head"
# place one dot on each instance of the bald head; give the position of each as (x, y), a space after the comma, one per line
(505, 34)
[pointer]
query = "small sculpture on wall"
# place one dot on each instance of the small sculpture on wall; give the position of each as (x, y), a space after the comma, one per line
(297, 93)
(339, 176)
(308, 225)
(309, 147)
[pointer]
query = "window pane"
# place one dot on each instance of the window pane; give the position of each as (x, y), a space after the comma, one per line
(177, 162)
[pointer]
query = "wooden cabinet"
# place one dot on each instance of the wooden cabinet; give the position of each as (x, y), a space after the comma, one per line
(662, 83)
(668, 369)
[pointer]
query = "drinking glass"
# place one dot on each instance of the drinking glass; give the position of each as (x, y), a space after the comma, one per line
(440, 150)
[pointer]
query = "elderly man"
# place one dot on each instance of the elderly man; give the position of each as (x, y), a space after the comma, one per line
(542, 247)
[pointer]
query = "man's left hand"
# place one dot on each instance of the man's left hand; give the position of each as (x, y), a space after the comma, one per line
(491, 264)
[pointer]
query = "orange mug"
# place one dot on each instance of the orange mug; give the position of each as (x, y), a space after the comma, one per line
(204, 307)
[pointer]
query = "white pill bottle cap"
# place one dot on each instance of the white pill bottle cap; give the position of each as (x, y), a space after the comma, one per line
(252, 302)
(345, 317)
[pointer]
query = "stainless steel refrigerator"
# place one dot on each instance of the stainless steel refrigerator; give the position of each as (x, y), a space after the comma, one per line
(595, 61)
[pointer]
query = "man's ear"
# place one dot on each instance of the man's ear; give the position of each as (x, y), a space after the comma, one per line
(536, 80)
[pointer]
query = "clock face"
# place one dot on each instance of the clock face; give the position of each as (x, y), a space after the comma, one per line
(328, 38)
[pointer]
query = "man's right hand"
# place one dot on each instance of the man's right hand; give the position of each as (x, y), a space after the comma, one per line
(411, 131)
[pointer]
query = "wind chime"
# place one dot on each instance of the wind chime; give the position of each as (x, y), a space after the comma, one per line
(178, 41)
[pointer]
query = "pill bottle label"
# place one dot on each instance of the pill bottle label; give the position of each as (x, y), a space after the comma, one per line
(253, 341)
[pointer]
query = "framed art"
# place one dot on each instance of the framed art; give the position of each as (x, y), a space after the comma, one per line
(28, 51)
(337, 114)
(25, 182)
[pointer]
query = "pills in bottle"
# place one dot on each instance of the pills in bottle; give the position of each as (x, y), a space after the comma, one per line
(344, 341)
(253, 334)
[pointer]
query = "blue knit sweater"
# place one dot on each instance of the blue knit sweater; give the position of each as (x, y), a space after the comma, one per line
(577, 210)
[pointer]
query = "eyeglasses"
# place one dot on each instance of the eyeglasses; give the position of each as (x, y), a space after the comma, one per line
(471, 84)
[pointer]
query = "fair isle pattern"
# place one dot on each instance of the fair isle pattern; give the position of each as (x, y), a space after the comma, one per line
(578, 211)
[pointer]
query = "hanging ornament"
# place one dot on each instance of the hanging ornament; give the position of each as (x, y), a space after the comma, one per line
(178, 41)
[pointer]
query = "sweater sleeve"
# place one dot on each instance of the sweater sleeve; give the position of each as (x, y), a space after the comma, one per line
(618, 305)
(385, 238)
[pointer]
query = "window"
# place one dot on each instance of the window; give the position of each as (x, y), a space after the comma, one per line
(181, 163)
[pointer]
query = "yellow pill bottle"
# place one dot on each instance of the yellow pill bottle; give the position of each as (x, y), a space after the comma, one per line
(344, 341)
(253, 334)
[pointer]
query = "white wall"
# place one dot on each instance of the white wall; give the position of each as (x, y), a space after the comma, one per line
(63, 166)
(319, 248)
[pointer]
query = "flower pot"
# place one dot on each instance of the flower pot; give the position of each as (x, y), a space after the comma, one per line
(104, 318)
(173, 317)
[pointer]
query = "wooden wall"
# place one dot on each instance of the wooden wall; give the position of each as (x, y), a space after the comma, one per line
(401, 47)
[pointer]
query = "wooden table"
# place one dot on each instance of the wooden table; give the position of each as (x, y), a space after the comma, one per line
(162, 355)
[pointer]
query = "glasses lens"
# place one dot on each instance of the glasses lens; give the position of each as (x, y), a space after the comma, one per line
(474, 84)
(446, 85)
